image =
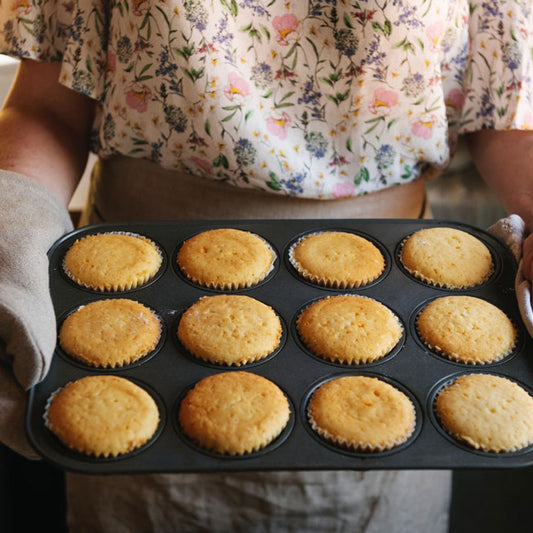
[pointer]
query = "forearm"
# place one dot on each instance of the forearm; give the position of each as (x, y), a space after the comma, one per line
(45, 128)
(505, 161)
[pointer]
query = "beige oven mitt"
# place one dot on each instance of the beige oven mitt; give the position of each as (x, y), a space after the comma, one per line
(511, 230)
(31, 219)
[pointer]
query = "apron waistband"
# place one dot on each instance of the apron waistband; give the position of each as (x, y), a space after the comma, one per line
(124, 188)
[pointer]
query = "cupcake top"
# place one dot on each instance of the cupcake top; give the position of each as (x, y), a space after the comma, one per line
(487, 412)
(337, 259)
(466, 329)
(447, 257)
(226, 259)
(103, 416)
(361, 413)
(229, 329)
(112, 261)
(110, 333)
(234, 412)
(349, 329)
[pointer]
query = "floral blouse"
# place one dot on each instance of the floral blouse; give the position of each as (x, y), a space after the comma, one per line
(314, 98)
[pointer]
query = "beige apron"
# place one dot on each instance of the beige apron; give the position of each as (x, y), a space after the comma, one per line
(322, 501)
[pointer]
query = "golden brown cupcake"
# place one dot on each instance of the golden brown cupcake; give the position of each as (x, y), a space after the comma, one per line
(112, 261)
(447, 257)
(230, 329)
(487, 412)
(361, 414)
(102, 416)
(349, 329)
(466, 329)
(110, 333)
(234, 413)
(337, 259)
(226, 259)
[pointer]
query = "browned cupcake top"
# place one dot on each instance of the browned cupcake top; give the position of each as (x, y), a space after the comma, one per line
(349, 329)
(466, 329)
(487, 412)
(112, 261)
(447, 257)
(361, 413)
(103, 416)
(110, 333)
(337, 259)
(230, 329)
(226, 258)
(234, 412)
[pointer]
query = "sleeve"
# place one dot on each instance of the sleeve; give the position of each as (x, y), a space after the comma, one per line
(498, 81)
(73, 32)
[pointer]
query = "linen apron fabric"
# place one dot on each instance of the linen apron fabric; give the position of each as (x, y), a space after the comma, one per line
(287, 501)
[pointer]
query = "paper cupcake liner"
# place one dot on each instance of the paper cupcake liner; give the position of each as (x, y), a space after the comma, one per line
(318, 280)
(140, 282)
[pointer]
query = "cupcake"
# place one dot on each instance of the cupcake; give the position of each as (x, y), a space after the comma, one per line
(226, 259)
(229, 329)
(362, 414)
(486, 412)
(234, 413)
(349, 329)
(337, 259)
(446, 257)
(466, 329)
(102, 416)
(110, 333)
(112, 261)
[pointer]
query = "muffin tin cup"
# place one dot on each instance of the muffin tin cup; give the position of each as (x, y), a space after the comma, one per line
(171, 370)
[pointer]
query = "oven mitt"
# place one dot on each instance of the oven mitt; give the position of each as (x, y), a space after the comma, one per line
(31, 219)
(511, 230)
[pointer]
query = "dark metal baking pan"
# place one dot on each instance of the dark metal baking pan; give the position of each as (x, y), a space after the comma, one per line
(171, 371)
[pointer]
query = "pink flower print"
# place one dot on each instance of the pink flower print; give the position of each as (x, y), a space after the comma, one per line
(383, 101)
(424, 127)
(236, 87)
(138, 97)
(455, 99)
(286, 27)
(434, 33)
(140, 7)
(278, 126)
(111, 61)
(205, 166)
(343, 190)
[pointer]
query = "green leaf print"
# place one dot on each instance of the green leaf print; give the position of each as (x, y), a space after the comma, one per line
(274, 181)
(230, 6)
(362, 175)
(406, 172)
(221, 161)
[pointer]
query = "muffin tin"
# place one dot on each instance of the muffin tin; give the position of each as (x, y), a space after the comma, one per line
(170, 371)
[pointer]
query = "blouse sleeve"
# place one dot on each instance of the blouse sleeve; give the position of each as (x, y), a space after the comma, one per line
(498, 82)
(73, 32)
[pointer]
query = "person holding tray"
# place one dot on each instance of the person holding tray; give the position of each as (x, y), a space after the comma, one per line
(245, 109)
